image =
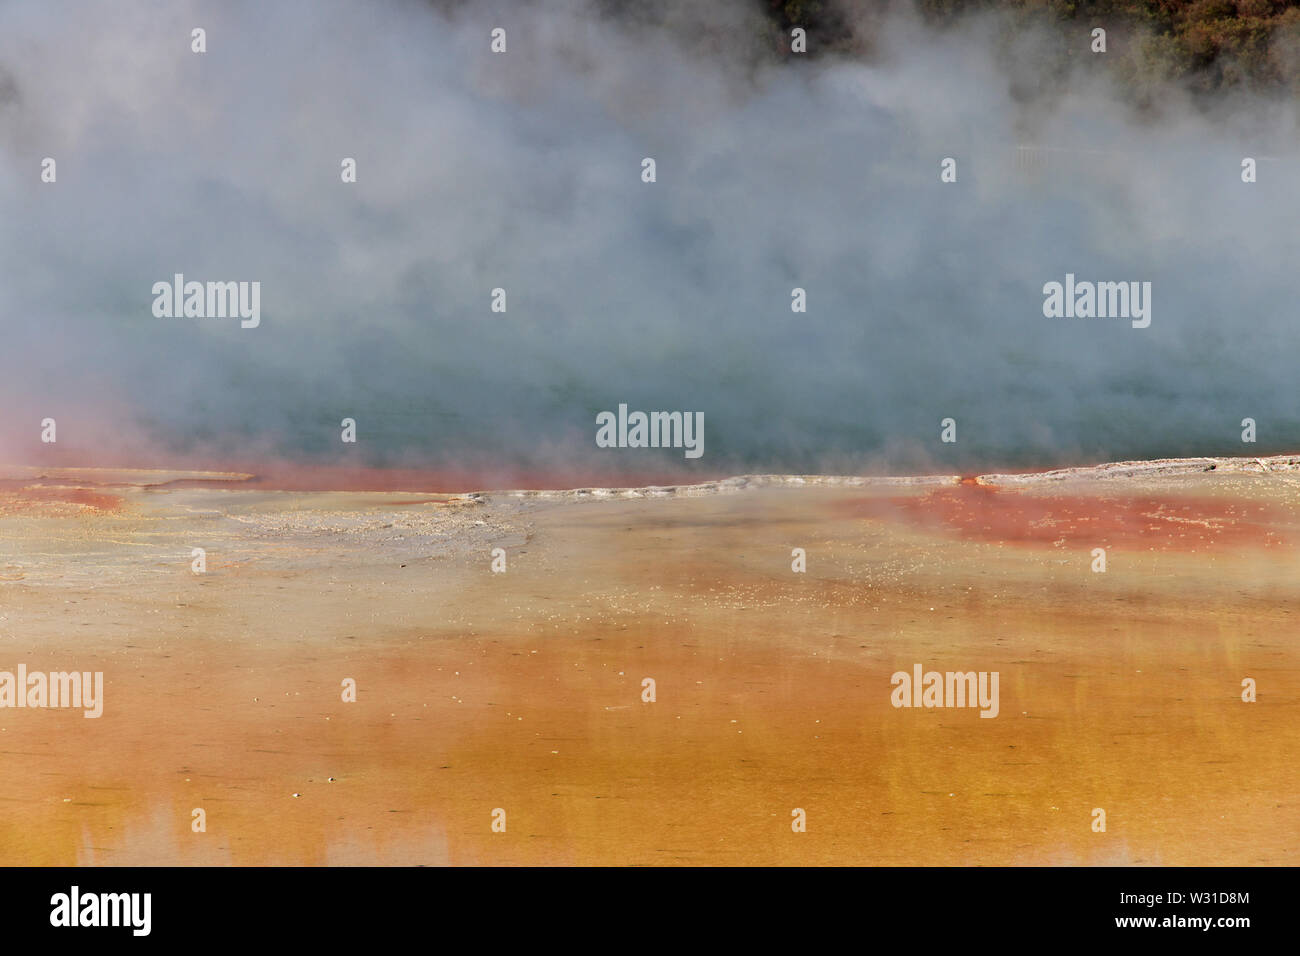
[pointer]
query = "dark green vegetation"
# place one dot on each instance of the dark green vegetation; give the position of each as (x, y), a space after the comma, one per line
(1206, 44)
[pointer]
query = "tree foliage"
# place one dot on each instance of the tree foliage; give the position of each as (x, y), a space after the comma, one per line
(1210, 44)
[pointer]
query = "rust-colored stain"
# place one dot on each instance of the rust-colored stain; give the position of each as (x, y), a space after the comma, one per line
(1014, 516)
(55, 501)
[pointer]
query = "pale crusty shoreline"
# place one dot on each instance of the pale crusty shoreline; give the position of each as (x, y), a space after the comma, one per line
(1153, 468)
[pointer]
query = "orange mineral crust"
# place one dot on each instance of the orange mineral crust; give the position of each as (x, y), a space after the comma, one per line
(54, 501)
(1101, 517)
(771, 617)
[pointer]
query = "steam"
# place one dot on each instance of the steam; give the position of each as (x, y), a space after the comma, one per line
(522, 171)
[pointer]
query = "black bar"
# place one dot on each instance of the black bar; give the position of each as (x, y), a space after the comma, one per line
(472, 907)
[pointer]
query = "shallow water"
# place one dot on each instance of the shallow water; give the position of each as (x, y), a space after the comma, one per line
(523, 690)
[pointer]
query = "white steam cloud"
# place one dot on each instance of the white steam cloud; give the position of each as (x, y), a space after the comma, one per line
(522, 171)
